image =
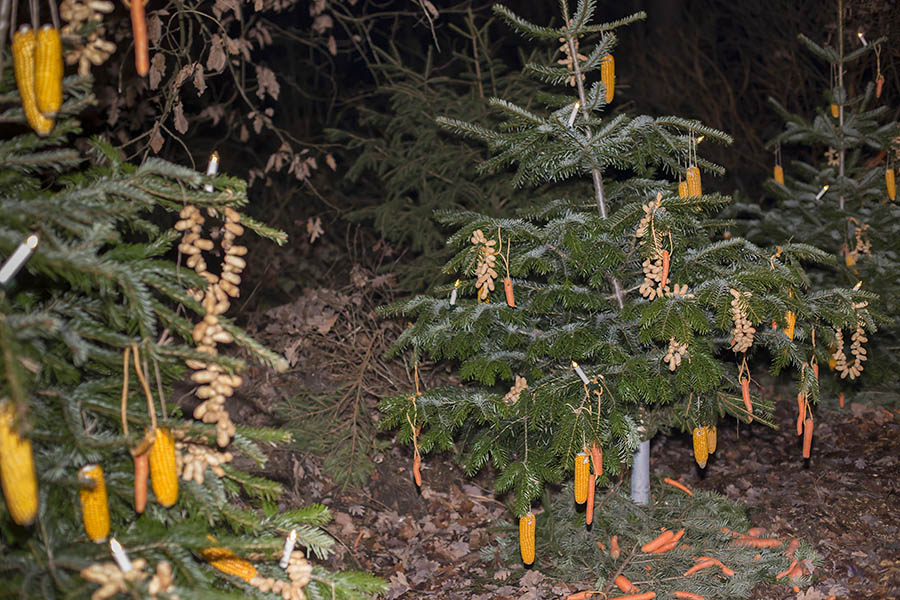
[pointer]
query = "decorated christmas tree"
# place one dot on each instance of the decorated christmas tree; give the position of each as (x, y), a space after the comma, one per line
(109, 490)
(834, 185)
(623, 312)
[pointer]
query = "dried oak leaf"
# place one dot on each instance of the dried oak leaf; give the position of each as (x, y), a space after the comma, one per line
(181, 122)
(314, 228)
(215, 62)
(157, 70)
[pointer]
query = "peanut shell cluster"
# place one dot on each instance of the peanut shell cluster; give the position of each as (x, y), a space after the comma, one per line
(487, 261)
(676, 352)
(299, 571)
(742, 333)
(192, 459)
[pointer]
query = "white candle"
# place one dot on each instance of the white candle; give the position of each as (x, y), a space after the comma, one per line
(288, 548)
(120, 556)
(18, 258)
(211, 169)
(574, 113)
(580, 373)
(821, 192)
(453, 293)
(862, 38)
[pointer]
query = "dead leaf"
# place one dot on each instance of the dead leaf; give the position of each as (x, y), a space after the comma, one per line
(267, 83)
(431, 9)
(181, 122)
(810, 594)
(329, 160)
(322, 23)
(157, 70)
(348, 528)
(215, 62)
(314, 228)
(532, 578)
(332, 45)
(154, 29)
(183, 73)
(199, 80)
(399, 585)
(156, 140)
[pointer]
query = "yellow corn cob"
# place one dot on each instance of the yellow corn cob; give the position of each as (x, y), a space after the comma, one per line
(682, 189)
(711, 439)
(835, 111)
(891, 183)
(163, 472)
(790, 321)
(608, 76)
(23, 44)
(693, 181)
(17, 471)
(582, 472)
(48, 71)
(526, 537)
(850, 259)
(779, 174)
(228, 562)
(701, 448)
(94, 503)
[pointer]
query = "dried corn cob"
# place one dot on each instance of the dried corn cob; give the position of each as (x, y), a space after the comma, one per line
(526, 537)
(582, 472)
(48, 71)
(94, 503)
(835, 111)
(228, 562)
(17, 471)
(693, 181)
(23, 49)
(608, 76)
(163, 470)
(779, 174)
(701, 449)
(682, 189)
(711, 439)
(891, 182)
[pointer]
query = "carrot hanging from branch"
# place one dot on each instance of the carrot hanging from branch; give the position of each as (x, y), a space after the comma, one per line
(139, 31)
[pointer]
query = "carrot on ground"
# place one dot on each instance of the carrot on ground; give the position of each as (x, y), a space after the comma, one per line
(644, 596)
(792, 547)
(679, 485)
(725, 570)
(579, 596)
(600, 545)
(757, 542)
(688, 596)
(614, 551)
(787, 571)
(703, 564)
(664, 538)
(624, 584)
(733, 532)
(756, 531)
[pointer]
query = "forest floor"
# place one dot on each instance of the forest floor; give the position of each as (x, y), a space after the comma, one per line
(428, 543)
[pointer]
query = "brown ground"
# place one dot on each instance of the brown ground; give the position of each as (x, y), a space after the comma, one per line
(426, 544)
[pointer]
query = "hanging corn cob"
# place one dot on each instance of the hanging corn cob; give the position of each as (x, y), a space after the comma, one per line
(608, 76)
(701, 449)
(94, 503)
(779, 174)
(693, 181)
(582, 473)
(526, 537)
(163, 470)
(711, 440)
(835, 110)
(682, 189)
(891, 183)
(228, 562)
(17, 470)
(23, 50)
(48, 71)
(790, 321)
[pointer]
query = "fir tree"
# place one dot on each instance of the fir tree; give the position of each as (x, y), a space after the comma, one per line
(103, 286)
(632, 283)
(834, 190)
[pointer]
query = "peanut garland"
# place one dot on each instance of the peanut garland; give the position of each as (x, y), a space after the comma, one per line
(215, 385)
(656, 266)
(512, 396)
(192, 460)
(299, 571)
(676, 351)
(742, 333)
(487, 259)
(112, 580)
(568, 62)
(95, 50)
(863, 245)
(858, 338)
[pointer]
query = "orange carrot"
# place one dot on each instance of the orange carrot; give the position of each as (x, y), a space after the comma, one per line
(689, 596)
(508, 289)
(732, 532)
(139, 31)
(792, 547)
(579, 596)
(807, 437)
(796, 589)
(756, 531)
(600, 545)
(678, 535)
(141, 472)
(665, 547)
(703, 564)
(815, 368)
(597, 459)
(796, 572)
(665, 268)
(745, 393)
(644, 596)
(614, 551)
(589, 513)
(801, 412)
(417, 463)
(679, 485)
(774, 325)
(663, 538)
(726, 571)
(624, 584)
(758, 542)
(787, 571)
(841, 399)
(757, 556)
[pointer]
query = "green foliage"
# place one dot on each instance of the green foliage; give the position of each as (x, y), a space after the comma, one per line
(579, 266)
(854, 221)
(572, 553)
(104, 278)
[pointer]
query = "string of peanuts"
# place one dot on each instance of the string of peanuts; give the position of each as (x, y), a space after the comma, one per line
(215, 385)
(112, 580)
